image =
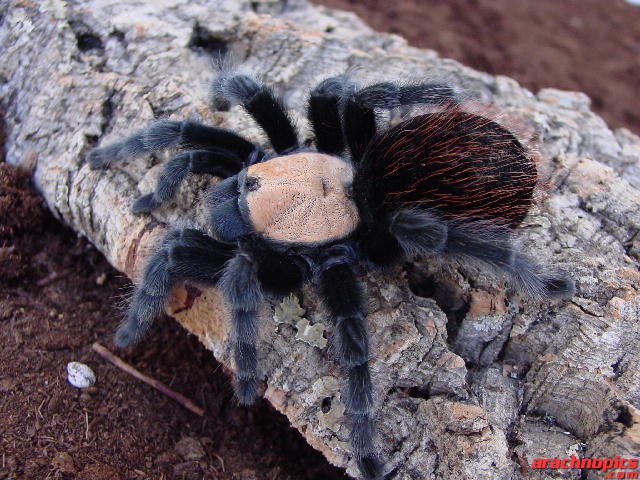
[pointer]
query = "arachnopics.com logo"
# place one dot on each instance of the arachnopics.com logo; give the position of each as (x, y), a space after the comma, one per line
(610, 466)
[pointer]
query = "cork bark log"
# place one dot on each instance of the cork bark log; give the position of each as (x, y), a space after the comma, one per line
(472, 383)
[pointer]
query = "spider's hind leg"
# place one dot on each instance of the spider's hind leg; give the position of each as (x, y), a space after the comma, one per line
(403, 234)
(387, 95)
(360, 104)
(492, 246)
(420, 233)
(262, 105)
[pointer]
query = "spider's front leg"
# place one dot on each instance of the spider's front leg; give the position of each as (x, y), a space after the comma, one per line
(183, 255)
(218, 162)
(342, 293)
(324, 114)
(260, 102)
(210, 150)
(241, 289)
(255, 272)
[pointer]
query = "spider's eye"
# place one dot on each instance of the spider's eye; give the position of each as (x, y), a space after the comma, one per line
(349, 191)
(252, 184)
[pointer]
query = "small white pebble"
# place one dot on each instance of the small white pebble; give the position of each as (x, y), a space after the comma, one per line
(80, 375)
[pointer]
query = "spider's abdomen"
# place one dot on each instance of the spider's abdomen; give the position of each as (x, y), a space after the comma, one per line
(456, 163)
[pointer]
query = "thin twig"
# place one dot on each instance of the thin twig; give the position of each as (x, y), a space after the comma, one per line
(220, 460)
(52, 277)
(86, 423)
(161, 387)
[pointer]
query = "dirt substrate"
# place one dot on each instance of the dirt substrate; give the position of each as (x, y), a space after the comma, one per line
(58, 295)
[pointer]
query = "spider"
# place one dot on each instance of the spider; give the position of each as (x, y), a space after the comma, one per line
(447, 183)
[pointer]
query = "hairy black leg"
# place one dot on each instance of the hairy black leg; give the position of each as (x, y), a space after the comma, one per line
(404, 234)
(359, 108)
(261, 104)
(279, 273)
(342, 294)
(381, 247)
(359, 125)
(389, 95)
(183, 255)
(324, 113)
(227, 222)
(225, 217)
(492, 246)
(222, 163)
(241, 288)
(536, 280)
(223, 191)
(423, 233)
(167, 133)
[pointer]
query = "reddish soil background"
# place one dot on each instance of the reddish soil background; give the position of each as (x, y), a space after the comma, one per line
(592, 46)
(58, 294)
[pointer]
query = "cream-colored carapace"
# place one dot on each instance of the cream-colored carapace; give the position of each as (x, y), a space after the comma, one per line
(301, 198)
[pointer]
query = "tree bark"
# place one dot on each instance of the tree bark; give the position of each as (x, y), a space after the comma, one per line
(472, 382)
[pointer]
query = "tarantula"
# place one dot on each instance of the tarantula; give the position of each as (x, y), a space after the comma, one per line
(447, 183)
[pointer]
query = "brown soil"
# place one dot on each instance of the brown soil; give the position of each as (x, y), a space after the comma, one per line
(591, 46)
(57, 294)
